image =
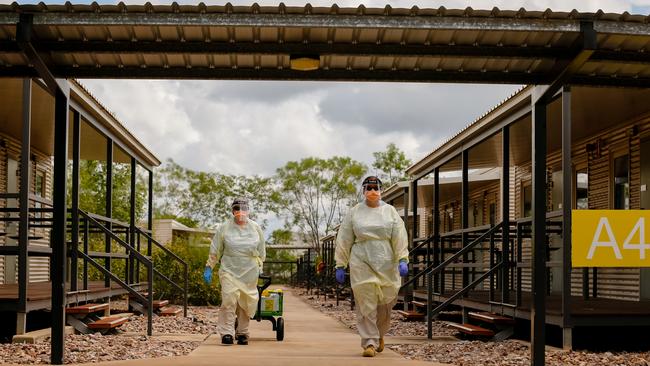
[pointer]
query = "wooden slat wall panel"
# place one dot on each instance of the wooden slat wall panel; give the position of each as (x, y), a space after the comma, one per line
(39, 268)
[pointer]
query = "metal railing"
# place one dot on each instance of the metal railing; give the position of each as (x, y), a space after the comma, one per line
(133, 253)
(140, 232)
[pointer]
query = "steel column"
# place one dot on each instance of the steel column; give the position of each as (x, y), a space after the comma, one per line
(464, 207)
(149, 215)
(25, 169)
(567, 204)
(109, 206)
(76, 142)
(538, 269)
(437, 245)
(414, 197)
(505, 214)
(58, 235)
(132, 213)
(405, 196)
(414, 227)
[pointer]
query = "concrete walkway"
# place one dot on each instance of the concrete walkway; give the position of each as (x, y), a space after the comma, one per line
(311, 338)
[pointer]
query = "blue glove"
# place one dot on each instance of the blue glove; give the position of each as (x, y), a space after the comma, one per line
(340, 275)
(403, 268)
(207, 275)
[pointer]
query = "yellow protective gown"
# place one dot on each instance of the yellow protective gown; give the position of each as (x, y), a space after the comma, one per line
(372, 241)
(241, 249)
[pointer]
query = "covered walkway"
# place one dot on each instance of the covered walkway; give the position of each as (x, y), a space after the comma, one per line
(312, 338)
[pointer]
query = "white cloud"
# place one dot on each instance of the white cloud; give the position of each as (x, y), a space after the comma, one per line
(242, 128)
(150, 110)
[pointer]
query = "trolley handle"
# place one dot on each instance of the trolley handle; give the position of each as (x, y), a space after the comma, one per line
(260, 289)
(266, 284)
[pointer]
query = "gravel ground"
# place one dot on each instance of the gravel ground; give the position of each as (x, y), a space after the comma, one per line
(513, 353)
(96, 348)
(475, 353)
(122, 346)
(200, 320)
(398, 326)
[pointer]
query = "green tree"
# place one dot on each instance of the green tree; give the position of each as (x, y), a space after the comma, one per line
(391, 164)
(317, 191)
(205, 198)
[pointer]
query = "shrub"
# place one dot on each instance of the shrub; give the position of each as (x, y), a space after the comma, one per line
(198, 292)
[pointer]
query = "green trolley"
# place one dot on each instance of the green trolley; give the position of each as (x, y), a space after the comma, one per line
(269, 306)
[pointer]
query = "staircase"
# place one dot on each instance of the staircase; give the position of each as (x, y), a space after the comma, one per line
(447, 259)
(92, 317)
(85, 317)
(490, 326)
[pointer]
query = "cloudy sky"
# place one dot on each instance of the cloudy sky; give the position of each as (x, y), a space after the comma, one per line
(256, 127)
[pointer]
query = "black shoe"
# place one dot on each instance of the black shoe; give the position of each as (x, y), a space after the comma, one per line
(242, 340)
(227, 339)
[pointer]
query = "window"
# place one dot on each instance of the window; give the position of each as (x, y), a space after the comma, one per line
(449, 218)
(621, 169)
(527, 196)
(493, 213)
(582, 190)
(39, 189)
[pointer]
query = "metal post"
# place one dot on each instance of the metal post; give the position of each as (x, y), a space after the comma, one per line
(132, 223)
(464, 207)
(414, 228)
(505, 214)
(437, 247)
(429, 305)
(150, 212)
(109, 207)
(414, 197)
(567, 204)
(23, 228)
(85, 268)
(76, 141)
(58, 235)
(405, 195)
(538, 309)
(309, 271)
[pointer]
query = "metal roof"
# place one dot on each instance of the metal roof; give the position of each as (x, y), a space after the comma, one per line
(357, 44)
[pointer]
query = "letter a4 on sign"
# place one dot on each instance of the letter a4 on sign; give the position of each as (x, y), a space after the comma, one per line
(609, 238)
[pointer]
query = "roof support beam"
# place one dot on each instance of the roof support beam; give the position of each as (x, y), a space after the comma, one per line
(23, 39)
(288, 48)
(304, 21)
(587, 46)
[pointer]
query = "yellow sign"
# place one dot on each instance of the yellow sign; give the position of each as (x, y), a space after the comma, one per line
(610, 238)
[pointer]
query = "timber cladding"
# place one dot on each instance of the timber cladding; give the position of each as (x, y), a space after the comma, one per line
(39, 267)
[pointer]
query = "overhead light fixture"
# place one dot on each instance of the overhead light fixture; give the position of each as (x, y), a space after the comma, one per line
(305, 62)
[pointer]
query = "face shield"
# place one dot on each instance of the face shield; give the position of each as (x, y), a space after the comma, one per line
(372, 192)
(240, 210)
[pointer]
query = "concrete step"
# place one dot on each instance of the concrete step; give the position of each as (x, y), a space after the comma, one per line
(37, 336)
